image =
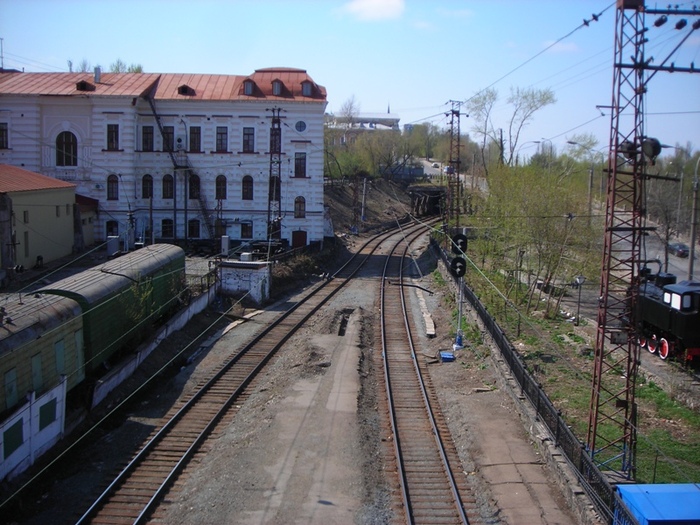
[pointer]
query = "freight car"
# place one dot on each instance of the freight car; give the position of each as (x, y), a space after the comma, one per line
(668, 320)
(76, 328)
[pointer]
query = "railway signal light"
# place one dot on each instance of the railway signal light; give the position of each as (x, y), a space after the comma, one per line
(459, 243)
(459, 266)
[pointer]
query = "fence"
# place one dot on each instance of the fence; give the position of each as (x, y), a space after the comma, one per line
(600, 491)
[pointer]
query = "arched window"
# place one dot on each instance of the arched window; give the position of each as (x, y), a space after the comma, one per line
(166, 229)
(168, 186)
(247, 188)
(66, 149)
(193, 228)
(299, 208)
(194, 186)
(146, 187)
(112, 188)
(220, 187)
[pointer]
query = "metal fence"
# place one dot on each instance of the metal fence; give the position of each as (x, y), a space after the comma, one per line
(594, 482)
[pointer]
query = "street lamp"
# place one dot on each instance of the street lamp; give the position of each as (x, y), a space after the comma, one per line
(580, 279)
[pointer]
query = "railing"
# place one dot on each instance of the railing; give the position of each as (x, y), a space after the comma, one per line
(594, 482)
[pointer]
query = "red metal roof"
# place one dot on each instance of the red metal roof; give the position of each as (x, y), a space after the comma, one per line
(164, 86)
(13, 179)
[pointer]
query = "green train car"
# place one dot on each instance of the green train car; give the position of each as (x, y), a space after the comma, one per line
(79, 326)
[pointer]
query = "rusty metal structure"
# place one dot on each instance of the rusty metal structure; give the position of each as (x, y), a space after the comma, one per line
(612, 426)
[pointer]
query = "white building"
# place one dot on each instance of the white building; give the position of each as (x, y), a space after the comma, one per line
(178, 157)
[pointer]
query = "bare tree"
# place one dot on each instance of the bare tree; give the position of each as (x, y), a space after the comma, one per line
(480, 107)
(525, 102)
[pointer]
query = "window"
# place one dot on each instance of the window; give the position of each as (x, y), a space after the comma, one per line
(112, 228)
(112, 137)
(300, 126)
(195, 139)
(306, 89)
(274, 189)
(168, 187)
(25, 216)
(221, 139)
(247, 188)
(58, 211)
(194, 186)
(193, 228)
(248, 140)
(275, 140)
(248, 87)
(246, 230)
(299, 208)
(37, 375)
(4, 136)
(146, 187)
(300, 165)
(220, 187)
(66, 149)
(166, 228)
(67, 210)
(168, 138)
(147, 138)
(276, 88)
(10, 388)
(112, 188)
(59, 351)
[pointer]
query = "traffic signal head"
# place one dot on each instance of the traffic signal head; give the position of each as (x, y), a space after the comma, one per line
(459, 266)
(459, 243)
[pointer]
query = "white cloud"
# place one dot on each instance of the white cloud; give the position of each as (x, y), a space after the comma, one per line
(375, 9)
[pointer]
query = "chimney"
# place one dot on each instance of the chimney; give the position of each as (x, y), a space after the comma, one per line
(98, 74)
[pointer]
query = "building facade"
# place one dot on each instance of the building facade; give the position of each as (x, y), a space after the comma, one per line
(176, 157)
(37, 219)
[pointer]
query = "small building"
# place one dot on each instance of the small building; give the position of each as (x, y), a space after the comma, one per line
(36, 217)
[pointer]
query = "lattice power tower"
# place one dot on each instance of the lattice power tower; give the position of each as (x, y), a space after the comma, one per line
(612, 429)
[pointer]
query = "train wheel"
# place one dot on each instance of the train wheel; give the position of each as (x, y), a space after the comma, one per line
(642, 341)
(652, 343)
(664, 349)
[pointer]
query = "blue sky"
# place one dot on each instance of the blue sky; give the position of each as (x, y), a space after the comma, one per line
(412, 55)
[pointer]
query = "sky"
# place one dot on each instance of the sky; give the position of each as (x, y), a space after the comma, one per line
(412, 57)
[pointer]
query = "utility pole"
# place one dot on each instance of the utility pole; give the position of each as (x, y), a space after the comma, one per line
(274, 215)
(612, 425)
(453, 183)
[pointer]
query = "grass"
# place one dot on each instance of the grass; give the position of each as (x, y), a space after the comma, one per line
(668, 437)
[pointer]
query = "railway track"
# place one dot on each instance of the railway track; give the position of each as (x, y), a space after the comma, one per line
(434, 489)
(137, 491)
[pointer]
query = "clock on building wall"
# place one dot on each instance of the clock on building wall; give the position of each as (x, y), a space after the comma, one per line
(300, 126)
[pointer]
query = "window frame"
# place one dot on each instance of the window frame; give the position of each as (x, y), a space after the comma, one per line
(168, 138)
(300, 207)
(4, 135)
(112, 137)
(248, 139)
(300, 165)
(147, 142)
(66, 149)
(167, 227)
(220, 187)
(221, 145)
(168, 186)
(247, 188)
(112, 188)
(195, 145)
(147, 186)
(246, 230)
